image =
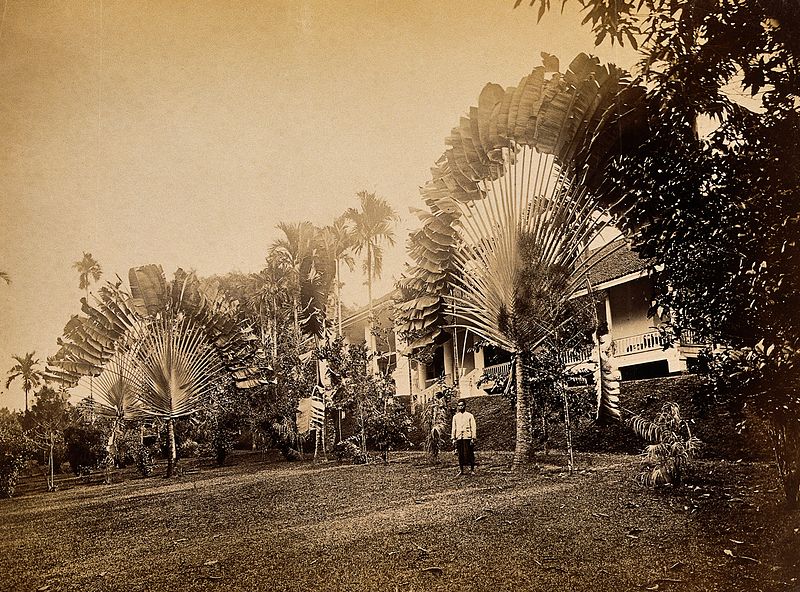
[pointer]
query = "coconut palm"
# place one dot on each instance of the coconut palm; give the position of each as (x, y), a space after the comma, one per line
(371, 225)
(89, 271)
(506, 240)
(27, 370)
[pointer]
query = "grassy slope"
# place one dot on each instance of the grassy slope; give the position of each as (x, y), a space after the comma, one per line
(276, 526)
(715, 426)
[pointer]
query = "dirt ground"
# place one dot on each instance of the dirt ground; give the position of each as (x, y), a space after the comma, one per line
(262, 524)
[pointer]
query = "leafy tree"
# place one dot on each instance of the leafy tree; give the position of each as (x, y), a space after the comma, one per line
(12, 451)
(44, 427)
(89, 271)
(350, 381)
(27, 370)
(387, 423)
(85, 444)
(671, 446)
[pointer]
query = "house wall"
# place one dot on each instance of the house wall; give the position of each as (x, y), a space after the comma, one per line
(629, 305)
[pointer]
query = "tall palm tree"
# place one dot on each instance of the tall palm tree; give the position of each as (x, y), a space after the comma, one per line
(372, 225)
(267, 295)
(89, 271)
(27, 370)
(294, 251)
(511, 218)
(338, 241)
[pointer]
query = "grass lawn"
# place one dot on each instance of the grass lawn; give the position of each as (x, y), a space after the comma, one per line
(269, 525)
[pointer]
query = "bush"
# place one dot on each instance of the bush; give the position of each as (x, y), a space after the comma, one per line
(84, 447)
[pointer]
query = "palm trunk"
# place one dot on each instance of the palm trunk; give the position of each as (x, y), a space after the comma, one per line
(51, 485)
(338, 299)
(522, 449)
(171, 446)
(26, 401)
(374, 362)
(567, 430)
(110, 450)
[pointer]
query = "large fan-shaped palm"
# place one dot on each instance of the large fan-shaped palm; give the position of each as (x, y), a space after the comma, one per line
(177, 368)
(27, 370)
(511, 220)
(173, 337)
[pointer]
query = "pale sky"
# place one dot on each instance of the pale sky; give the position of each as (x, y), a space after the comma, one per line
(181, 133)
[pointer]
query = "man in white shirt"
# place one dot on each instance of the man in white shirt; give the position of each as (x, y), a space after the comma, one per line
(464, 434)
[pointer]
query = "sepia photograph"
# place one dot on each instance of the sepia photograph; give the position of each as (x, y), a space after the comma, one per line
(485, 295)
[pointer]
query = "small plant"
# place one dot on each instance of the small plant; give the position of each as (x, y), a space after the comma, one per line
(350, 450)
(435, 418)
(665, 460)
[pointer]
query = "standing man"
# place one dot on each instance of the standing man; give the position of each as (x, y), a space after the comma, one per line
(464, 434)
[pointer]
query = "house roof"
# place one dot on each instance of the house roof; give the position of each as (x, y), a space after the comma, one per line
(614, 260)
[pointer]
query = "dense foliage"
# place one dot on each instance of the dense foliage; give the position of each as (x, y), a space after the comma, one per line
(709, 181)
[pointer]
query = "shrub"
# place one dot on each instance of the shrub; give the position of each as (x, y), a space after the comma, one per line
(349, 450)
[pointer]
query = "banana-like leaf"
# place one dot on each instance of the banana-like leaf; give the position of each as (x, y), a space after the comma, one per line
(148, 289)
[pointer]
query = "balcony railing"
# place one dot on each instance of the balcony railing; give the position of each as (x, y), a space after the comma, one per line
(578, 355)
(643, 342)
(498, 370)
